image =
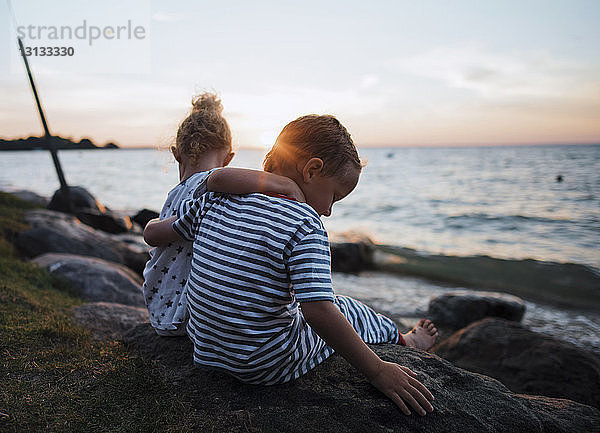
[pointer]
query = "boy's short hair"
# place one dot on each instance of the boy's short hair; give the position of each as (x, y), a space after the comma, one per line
(204, 129)
(314, 136)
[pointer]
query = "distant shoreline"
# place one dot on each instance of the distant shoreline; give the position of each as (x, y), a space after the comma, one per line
(40, 143)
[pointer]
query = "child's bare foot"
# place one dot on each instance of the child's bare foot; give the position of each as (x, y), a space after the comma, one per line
(422, 336)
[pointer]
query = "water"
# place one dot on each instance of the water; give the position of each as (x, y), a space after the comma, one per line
(407, 297)
(503, 202)
(499, 201)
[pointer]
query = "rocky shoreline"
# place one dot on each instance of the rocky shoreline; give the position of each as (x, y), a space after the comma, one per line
(106, 269)
(37, 143)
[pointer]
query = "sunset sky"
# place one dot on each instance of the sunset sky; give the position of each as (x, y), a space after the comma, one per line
(395, 73)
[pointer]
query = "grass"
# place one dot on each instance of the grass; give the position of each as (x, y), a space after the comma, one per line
(53, 375)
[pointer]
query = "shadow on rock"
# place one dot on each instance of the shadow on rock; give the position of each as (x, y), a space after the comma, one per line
(108, 320)
(524, 360)
(96, 279)
(57, 232)
(335, 398)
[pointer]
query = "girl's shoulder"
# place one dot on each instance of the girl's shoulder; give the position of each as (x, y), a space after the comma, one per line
(184, 190)
(191, 183)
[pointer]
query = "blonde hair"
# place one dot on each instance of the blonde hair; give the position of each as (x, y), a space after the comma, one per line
(204, 129)
(314, 136)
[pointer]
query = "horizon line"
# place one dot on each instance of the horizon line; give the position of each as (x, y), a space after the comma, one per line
(402, 145)
(373, 145)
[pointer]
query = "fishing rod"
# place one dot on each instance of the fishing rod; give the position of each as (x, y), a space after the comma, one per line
(48, 138)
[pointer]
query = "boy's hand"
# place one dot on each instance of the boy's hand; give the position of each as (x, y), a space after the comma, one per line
(397, 382)
(400, 385)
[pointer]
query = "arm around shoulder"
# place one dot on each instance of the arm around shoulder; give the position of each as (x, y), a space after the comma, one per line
(245, 181)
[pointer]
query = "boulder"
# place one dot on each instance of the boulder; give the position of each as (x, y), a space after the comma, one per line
(57, 232)
(79, 199)
(31, 197)
(108, 320)
(106, 221)
(61, 233)
(143, 216)
(351, 252)
(456, 310)
(335, 398)
(96, 279)
(525, 361)
(135, 242)
(89, 210)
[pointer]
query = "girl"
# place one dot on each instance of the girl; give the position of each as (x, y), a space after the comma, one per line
(260, 297)
(203, 143)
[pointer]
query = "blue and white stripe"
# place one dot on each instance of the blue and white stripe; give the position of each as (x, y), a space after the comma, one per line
(254, 259)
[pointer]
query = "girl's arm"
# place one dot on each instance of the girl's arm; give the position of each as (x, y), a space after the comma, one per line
(245, 181)
(160, 232)
(397, 382)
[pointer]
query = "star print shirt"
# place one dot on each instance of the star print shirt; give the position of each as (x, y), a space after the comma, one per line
(166, 273)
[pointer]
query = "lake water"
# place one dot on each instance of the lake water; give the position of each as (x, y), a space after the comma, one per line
(500, 201)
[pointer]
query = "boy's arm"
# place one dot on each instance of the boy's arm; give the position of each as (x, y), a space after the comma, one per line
(245, 181)
(397, 382)
(160, 232)
(309, 268)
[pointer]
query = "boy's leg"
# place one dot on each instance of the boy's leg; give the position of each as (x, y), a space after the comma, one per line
(372, 327)
(375, 328)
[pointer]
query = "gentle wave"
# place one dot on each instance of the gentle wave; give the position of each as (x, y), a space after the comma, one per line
(508, 218)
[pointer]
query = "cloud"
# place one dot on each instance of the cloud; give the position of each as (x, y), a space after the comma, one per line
(369, 80)
(284, 103)
(498, 75)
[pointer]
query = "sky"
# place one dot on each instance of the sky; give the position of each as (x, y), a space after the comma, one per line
(394, 72)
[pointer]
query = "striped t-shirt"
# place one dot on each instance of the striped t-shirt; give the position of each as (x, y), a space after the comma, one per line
(255, 258)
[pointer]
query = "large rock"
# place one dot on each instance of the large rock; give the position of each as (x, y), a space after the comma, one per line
(351, 252)
(108, 320)
(134, 242)
(334, 398)
(143, 216)
(89, 210)
(96, 279)
(525, 361)
(78, 199)
(456, 310)
(106, 221)
(31, 197)
(57, 232)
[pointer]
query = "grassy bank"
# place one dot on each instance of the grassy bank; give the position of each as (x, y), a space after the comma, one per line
(53, 375)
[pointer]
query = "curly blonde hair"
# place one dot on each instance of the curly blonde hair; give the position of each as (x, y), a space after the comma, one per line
(204, 129)
(314, 136)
